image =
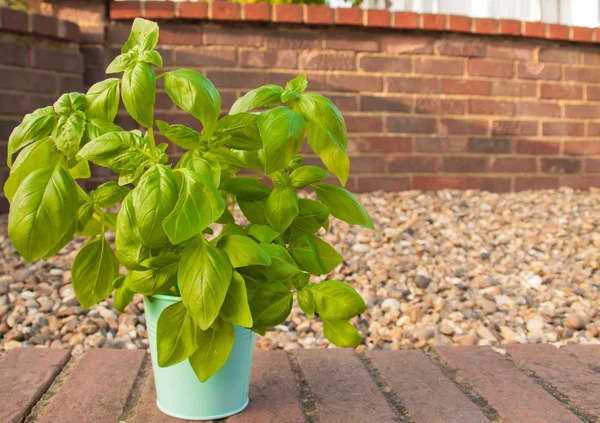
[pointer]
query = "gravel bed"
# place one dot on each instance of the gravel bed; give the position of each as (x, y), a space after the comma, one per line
(442, 268)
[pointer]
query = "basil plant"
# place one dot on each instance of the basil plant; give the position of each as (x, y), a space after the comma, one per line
(247, 275)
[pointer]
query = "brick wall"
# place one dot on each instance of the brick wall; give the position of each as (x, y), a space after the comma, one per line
(39, 60)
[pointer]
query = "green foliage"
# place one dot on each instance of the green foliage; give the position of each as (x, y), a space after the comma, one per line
(246, 276)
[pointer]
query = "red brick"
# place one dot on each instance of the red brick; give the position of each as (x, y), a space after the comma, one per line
(558, 32)
(509, 51)
(560, 165)
(230, 37)
(514, 165)
(581, 33)
(289, 13)
(345, 103)
(316, 82)
(224, 11)
(463, 126)
(582, 148)
(536, 182)
(484, 67)
(433, 22)
(386, 183)
(349, 16)
(17, 104)
(379, 144)
(270, 59)
(378, 18)
(439, 106)
(462, 48)
(322, 15)
(485, 26)
(432, 183)
(562, 129)
(256, 12)
(411, 125)
(559, 55)
(387, 64)
(514, 127)
(419, 382)
(293, 40)
(406, 44)
(407, 20)
(60, 60)
(188, 10)
(27, 372)
(492, 184)
(45, 25)
(385, 104)
(465, 164)
(538, 147)
(362, 123)
(581, 181)
(534, 29)
(534, 108)
(236, 79)
(178, 35)
(14, 20)
(355, 83)
(513, 88)
(334, 377)
(595, 35)
(365, 164)
(592, 93)
(590, 354)
(159, 10)
(491, 107)
(591, 58)
(428, 65)
(72, 31)
(26, 80)
(511, 393)
(490, 145)
(551, 364)
(583, 74)
(510, 27)
(412, 164)
(94, 34)
(592, 165)
(593, 129)
(530, 70)
(582, 111)
(412, 85)
(206, 56)
(318, 60)
(440, 145)
(458, 23)
(14, 53)
(98, 369)
(353, 42)
(273, 391)
(464, 86)
(125, 9)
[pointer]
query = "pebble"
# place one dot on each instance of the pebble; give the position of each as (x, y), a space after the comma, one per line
(390, 304)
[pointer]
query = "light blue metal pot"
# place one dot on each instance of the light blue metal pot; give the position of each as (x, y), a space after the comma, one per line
(179, 392)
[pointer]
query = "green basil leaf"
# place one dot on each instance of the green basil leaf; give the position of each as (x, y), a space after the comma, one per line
(199, 204)
(282, 132)
(43, 210)
(35, 126)
(246, 188)
(69, 103)
(243, 251)
(312, 216)
(153, 200)
(214, 347)
(68, 236)
(307, 175)
(95, 128)
(152, 57)
(179, 134)
(139, 93)
(236, 309)
(102, 100)
(306, 301)
(240, 131)
(271, 305)
(195, 94)
(128, 244)
(144, 36)
(289, 95)
(94, 269)
(254, 210)
(81, 170)
(206, 164)
(33, 157)
(123, 296)
(343, 205)
(176, 335)
(252, 286)
(153, 281)
(341, 333)
(263, 233)
(109, 194)
(313, 255)
(298, 84)
(204, 277)
(68, 133)
(326, 133)
(337, 301)
(281, 208)
(122, 62)
(265, 96)
(282, 268)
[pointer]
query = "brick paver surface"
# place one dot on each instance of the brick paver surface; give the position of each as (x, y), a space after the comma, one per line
(532, 383)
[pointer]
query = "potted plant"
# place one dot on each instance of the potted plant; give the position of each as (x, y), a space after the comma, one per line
(205, 295)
